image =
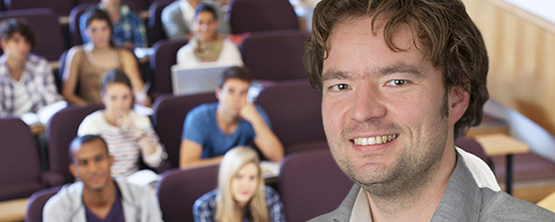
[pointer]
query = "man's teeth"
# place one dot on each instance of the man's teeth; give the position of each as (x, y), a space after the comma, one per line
(374, 140)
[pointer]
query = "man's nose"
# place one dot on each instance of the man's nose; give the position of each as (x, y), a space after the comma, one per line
(368, 103)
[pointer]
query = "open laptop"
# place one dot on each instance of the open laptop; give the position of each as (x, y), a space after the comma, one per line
(195, 80)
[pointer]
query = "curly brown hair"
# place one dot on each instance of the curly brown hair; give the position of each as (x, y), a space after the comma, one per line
(449, 38)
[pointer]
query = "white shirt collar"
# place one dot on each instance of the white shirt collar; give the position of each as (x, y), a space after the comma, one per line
(361, 208)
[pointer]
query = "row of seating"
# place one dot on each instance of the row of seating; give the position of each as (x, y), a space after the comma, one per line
(244, 16)
(310, 184)
(63, 7)
(298, 128)
(270, 55)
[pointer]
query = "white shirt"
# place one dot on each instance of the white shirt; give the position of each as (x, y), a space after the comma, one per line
(188, 12)
(230, 55)
(22, 103)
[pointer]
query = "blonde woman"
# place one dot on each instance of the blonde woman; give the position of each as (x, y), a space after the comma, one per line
(241, 193)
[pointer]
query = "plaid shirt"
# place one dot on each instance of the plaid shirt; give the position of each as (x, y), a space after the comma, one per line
(204, 208)
(38, 79)
(129, 28)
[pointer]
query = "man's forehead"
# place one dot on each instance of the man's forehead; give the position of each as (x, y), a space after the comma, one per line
(235, 82)
(89, 149)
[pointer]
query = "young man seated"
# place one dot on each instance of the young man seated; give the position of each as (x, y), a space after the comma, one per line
(97, 197)
(26, 80)
(210, 130)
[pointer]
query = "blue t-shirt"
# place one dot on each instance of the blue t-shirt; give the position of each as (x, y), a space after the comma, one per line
(202, 127)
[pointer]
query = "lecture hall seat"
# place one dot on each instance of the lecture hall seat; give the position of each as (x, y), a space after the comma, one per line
(19, 160)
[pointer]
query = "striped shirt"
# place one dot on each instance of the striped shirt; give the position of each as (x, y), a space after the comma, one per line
(204, 208)
(122, 144)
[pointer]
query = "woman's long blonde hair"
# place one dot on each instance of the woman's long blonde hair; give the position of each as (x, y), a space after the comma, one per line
(232, 162)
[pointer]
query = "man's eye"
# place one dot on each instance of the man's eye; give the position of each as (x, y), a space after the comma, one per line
(397, 82)
(340, 87)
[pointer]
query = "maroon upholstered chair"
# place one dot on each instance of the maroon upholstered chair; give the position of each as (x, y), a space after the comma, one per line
(61, 7)
(36, 202)
(155, 29)
(294, 109)
(60, 131)
(74, 16)
(275, 55)
(77, 11)
(472, 146)
(135, 5)
(310, 184)
(48, 32)
(19, 160)
(169, 116)
(261, 15)
(178, 190)
(165, 53)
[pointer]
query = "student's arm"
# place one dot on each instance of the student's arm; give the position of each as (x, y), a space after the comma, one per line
(172, 22)
(131, 69)
(191, 156)
(70, 76)
(265, 139)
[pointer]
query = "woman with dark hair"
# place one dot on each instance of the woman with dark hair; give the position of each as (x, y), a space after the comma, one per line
(129, 135)
(241, 193)
(207, 46)
(86, 64)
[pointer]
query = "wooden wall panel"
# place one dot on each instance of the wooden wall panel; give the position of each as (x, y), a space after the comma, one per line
(521, 49)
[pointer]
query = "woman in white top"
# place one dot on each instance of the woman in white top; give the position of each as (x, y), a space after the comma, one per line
(129, 135)
(87, 64)
(208, 47)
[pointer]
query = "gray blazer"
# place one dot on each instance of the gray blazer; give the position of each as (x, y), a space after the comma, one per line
(462, 200)
(176, 28)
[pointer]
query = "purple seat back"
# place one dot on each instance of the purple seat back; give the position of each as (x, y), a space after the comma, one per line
(294, 109)
(36, 202)
(169, 116)
(135, 5)
(19, 161)
(472, 146)
(261, 15)
(178, 190)
(155, 30)
(310, 184)
(165, 53)
(275, 55)
(60, 131)
(48, 32)
(61, 7)
(74, 16)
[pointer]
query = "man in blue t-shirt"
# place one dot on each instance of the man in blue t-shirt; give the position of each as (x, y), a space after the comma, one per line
(210, 130)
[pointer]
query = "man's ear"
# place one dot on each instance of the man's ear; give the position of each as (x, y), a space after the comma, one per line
(2, 43)
(218, 91)
(458, 101)
(111, 160)
(72, 170)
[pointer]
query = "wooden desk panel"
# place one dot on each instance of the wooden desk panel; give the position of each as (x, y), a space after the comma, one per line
(548, 202)
(501, 144)
(13, 210)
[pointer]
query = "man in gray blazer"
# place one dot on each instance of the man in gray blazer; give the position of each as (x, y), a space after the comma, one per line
(401, 80)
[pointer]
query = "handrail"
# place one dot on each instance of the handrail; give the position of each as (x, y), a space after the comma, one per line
(524, 14)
